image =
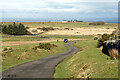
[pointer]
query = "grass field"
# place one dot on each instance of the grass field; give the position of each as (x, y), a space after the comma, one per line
(18, 38)
(38, 38)
(60, 24)
(88, 62)
(26, 53)
(69, 28)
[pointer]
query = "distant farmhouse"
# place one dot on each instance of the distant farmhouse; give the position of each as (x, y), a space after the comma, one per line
(64, 21)
(75, 21)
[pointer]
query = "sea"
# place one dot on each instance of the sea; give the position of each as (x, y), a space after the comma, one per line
(107, 20)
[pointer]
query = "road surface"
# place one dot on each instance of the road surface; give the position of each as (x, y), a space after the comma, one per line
(41, 68)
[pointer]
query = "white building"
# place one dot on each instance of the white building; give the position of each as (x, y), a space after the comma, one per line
(64, 21)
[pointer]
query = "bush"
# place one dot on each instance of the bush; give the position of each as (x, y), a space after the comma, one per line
(5, 49)
(47, 29)
(46, 46)
(96, 23)
(105, 37)
(34, 30)
(66, 28)
(35, 48)
(9, 49)
(27, 27)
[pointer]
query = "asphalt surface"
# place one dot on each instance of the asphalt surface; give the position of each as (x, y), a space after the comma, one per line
(41, 68)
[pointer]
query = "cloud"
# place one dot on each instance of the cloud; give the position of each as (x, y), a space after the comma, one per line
(63, 7)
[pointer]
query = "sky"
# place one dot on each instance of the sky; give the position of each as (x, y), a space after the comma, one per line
(59, 9)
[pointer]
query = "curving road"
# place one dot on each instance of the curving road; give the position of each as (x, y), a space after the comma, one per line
(41, 68)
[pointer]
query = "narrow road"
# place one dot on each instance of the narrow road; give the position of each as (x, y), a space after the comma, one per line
(41, 68)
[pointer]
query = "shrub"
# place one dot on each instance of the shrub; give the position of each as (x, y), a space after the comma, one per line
(96, 23)
(34, 30)
(27, 27)
(66, 28)
(47, 29)
(38, 28)
(46, 46)
(9, 49)
(44, 29)
(35, 48)
(5, 49)
(105, 37)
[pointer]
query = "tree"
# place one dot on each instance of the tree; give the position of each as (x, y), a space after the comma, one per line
(10, 29)
(21, 29)
(4, 29)
(15, 29)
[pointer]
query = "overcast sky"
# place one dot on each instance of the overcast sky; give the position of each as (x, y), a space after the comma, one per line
(59, 9)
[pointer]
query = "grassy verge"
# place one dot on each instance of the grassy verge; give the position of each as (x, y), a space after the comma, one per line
(90, 62)
(26, 53)
(38, 38)
(68, 36)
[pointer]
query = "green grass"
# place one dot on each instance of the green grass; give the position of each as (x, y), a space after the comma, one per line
(38, 38)
(98, 64)
(68, 36)
(10, 60)
(18, 38)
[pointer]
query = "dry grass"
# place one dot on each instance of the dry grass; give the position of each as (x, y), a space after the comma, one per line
(81, 31)
(113, 53)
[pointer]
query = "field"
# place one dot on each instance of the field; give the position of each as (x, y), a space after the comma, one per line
(22, 46)
(26, 53)
(88, 62)
(78, 28)
(60, 24)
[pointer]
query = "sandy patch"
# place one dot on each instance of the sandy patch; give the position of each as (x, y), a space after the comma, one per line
(35, 30)
(81, 31)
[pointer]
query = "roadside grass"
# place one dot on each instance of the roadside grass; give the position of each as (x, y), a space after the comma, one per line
(69, 36)
(26, 54)
(88, 62)
(60, 24)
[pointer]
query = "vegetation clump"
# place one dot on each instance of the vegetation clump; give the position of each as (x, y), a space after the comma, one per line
(110, 48)
(8, 49)
(46, 46)
(15, 29)
(113, 53)
(97, 23)
(66, 28)
(105, 37)
(47, 28)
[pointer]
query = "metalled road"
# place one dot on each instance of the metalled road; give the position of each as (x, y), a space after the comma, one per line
(41, 68)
